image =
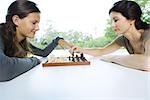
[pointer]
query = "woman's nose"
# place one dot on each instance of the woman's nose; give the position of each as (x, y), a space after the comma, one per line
(37, 27)
(113, 25)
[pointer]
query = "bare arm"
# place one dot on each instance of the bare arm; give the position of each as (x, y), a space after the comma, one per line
(136, 61)
(51, 46)
(99, 51)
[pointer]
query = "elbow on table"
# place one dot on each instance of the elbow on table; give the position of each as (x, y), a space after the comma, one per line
(146, 70)
(5, 78)
(6, 75)
(146, 67)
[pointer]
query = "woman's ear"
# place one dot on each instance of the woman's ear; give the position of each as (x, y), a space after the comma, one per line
(16, 20)
(132, 22)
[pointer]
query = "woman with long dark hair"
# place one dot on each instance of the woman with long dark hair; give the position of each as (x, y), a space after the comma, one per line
(135, 37)
(22, 22)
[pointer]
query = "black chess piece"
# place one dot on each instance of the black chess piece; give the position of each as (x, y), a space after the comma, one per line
(82, 57)
(77, 58)
(73, 59)
(69, 58)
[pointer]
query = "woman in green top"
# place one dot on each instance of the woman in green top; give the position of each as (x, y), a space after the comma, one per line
(126, 20)
(22, 22)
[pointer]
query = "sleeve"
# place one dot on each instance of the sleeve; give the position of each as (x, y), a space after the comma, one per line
(120, 41)
(146, 42)
(11, 67)
(46, 51)
(146, 36)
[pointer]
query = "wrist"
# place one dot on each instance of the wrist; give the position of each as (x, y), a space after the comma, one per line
(58, 40)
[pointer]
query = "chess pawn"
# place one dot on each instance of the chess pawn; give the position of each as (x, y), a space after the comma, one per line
(73, 59)
(82, 57)
(69, 58)
(77, 58)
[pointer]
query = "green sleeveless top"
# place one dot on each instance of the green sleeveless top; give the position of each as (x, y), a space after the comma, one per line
(123, 41)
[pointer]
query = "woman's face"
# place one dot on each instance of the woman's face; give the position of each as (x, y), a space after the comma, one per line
(27, 26)
(119, 23)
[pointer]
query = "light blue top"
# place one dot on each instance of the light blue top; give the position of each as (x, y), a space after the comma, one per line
(11, 67)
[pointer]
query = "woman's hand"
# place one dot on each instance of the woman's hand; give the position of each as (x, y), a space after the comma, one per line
(75, 49)
(63, 43)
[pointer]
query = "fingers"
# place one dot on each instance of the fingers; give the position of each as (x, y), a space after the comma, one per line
(62, 42)
(72, 50)
(75, 49)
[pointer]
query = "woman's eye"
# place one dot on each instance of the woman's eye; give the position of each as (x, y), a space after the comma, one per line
(115, 20)
(34, 23)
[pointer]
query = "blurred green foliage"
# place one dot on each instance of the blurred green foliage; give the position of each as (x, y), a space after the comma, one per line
(84, 39)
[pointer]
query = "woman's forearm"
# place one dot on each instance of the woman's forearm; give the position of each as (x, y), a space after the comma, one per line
(47, 50)
(11, 67)
(135, 61)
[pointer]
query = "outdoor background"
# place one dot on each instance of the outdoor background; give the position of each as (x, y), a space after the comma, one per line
(85, 23)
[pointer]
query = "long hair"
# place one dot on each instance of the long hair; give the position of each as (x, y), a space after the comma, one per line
(132, 11)
(8, 29)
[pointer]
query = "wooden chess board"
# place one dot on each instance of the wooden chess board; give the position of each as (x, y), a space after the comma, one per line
(67, 61)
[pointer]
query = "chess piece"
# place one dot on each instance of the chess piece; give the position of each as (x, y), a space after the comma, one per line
(82, 57)
(73, 59)
(77, 58)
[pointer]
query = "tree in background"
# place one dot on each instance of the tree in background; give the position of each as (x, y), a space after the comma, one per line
(85, 40)
(145, 4)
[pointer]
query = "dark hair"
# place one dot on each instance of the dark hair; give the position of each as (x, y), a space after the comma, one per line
(132, 11)
(8, 30)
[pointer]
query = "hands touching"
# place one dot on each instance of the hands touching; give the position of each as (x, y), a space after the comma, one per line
(63, 43)
(73, 48)
(76, 49)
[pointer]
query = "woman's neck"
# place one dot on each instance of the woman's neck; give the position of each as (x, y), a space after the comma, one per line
(135, 35)
(19, 37)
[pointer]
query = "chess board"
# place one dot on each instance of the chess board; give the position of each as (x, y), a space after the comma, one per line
(67, 61)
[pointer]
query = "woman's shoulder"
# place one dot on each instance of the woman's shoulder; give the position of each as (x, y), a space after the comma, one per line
(146, 35)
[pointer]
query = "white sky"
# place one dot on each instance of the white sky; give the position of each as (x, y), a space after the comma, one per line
(81, 15)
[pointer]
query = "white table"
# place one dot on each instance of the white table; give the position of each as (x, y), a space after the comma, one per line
(98, 81)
